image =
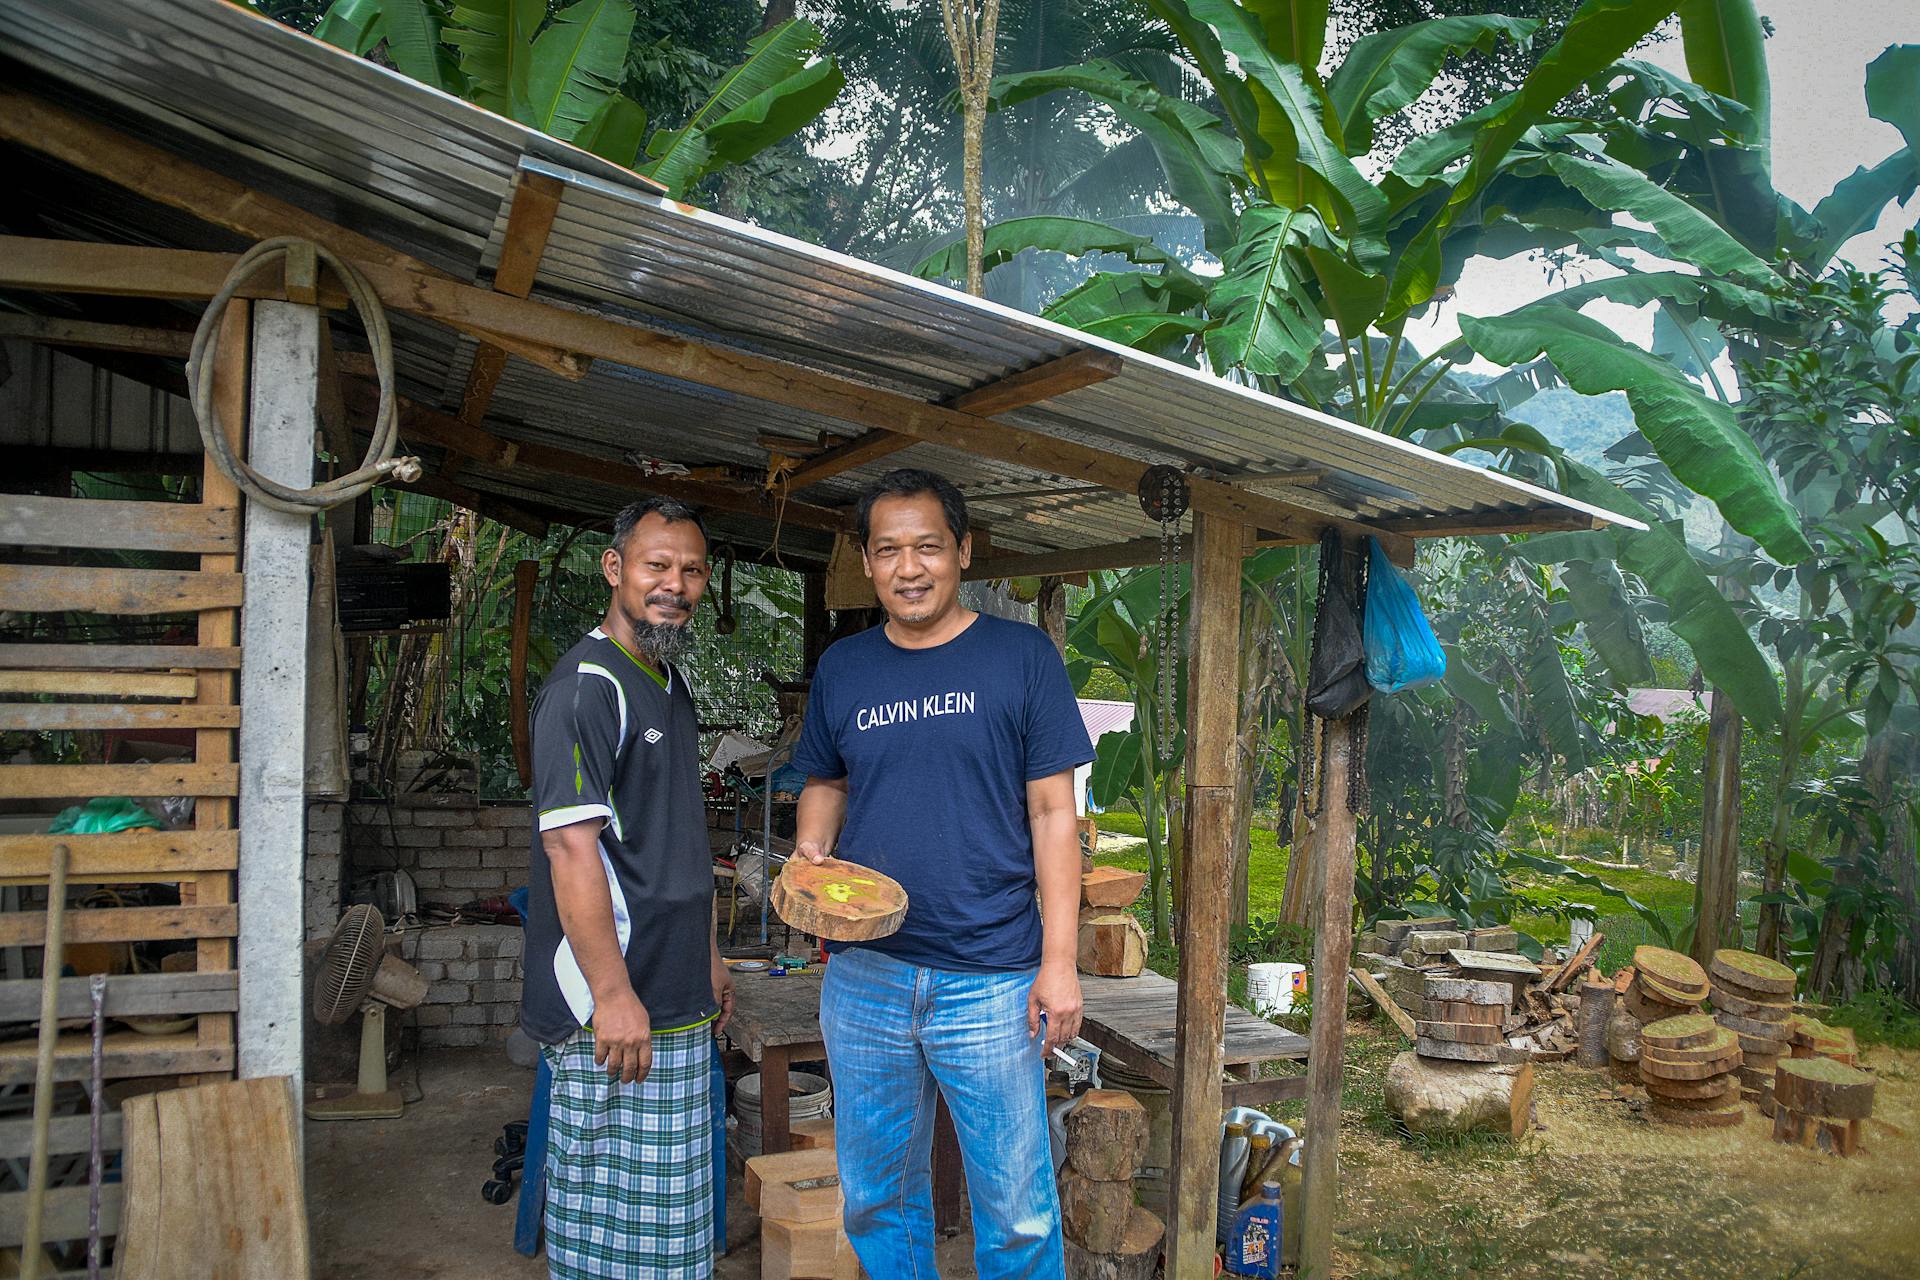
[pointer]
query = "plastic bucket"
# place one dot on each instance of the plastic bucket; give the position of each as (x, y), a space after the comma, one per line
(809, 1097)
(1271, 986)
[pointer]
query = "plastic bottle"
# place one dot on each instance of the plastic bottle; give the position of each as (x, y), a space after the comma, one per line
(1233, 1171)
(1253, 1245)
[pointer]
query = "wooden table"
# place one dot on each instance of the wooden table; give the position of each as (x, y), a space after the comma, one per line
(1133, 1019)
(776, 1022)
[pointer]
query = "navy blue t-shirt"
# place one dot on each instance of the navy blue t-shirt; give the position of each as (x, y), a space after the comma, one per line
(937, 746)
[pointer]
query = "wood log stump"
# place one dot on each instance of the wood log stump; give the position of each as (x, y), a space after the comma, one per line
(1112, 944)
(1432, 1097)
(1596, 1011)
(1107, 1135)
(1623, 1039)
(1095, 1215)
(1822, 1087)
(1688, 1031)
(1111, 887)
(841, 901)
(1137, 1258)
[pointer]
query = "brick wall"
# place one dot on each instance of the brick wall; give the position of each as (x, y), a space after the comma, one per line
(455, 855)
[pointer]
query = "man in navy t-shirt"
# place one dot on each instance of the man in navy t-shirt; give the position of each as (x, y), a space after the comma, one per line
(940, 749)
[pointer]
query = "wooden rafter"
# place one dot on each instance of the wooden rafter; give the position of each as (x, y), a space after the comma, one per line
(57, 266)
(172, 180)
(536, 200)
(499, 509)
(1029, 386)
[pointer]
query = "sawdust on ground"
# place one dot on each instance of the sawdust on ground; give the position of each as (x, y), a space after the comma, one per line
(1599, 1191)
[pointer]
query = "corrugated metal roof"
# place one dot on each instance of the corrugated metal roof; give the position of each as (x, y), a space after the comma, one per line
(429, 174)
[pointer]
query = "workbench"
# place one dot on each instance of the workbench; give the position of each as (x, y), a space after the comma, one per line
(1133, 1019)
(776, 1022)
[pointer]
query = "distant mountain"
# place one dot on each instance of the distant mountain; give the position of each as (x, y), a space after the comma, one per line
(1585, 426)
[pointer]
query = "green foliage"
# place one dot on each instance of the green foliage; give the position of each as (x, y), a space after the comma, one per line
(1879, 1018)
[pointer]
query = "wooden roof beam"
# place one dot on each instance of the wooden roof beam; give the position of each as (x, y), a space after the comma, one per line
(69, 266)
(497, 509)
(1030, 386)
(536, 201)
(165, 178)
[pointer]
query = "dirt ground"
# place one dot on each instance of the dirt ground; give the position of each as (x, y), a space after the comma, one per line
(1595, 1191)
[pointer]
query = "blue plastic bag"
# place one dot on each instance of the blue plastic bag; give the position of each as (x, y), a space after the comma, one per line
(1402, 652)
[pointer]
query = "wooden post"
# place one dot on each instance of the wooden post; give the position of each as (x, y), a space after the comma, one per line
(281, 422)
(526, 576)
(1213, 700)
(816, 625)
(1332, 943)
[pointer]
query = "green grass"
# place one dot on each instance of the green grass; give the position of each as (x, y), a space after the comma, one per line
(1266, 860)
(1879, 1017)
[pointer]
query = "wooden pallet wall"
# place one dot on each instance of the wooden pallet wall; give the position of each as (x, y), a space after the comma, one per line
(131, 687)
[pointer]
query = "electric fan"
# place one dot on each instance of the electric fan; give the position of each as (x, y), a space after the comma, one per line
(358, 976)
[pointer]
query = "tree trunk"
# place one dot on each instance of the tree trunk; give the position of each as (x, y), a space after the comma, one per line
(972, 27)
(1296, 903)
(1906, 877)
(1256, 670)
(1053, 611)
(1717, 923)
(778, 11)
(1835, 974)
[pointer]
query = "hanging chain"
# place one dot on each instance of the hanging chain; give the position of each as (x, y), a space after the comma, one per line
(1164, 497)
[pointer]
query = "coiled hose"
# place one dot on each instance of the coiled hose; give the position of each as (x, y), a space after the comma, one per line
(379, 465)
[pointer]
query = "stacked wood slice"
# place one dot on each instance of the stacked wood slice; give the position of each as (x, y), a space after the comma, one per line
(1753, 997)
(1666, 984)
(1808, 1037)
(1463, 1020)
(797, 1195)
(1112, 944)
(1821, 1103)
(1690, 1067)
(1108, 1236)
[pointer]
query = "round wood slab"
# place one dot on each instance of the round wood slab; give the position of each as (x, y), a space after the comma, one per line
(1648, 1008)
(1713, 1087)
(1722, 1119)
(1673, 972)
(1654, 987)
(1757, 1028)
(1728, 1000)
(1822, 1087)
(1749, 972)
(1460, 1032)
(1428, 1047)
(1688, 1031)
(840, 901)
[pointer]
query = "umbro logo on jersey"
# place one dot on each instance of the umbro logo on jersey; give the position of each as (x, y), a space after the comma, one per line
(653, 736)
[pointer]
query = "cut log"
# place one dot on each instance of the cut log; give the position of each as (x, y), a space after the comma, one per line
(1576, 962)
(1112, 944)
(1623, 1037)
(1689, 1031)
(1460, 1032)
(1137, 1258)
(1652, 1066)
(1759, 1028)
(1676, 977)
(1723, 1117)
(1722, 1086)
(812, 1199)
(1485, 1015)
(1428, 1047)
(1650, 1008)
(1655, 989)
(1596, 1011)
(1757, 1047)
(1747, 972)
(1821, 1087)
(1095, 1215)
(1466, 990)
(1720, 1045)
(841, 901)
(1111, 887)
(1726, 1000)
(1107, 1135)
(1455, 1097)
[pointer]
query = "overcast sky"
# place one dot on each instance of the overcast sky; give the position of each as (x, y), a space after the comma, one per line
(1817, 60)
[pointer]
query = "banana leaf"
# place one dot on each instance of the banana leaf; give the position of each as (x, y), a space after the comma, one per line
(1857, 201)
(1893, 91)
(616, 130)
(1267, 321)
(578, 62)
(1696, 437)
(1073, 236)
(495, 40)
(1724, 42)
(1387, 70)
(679, 156)
(1599, 596)
(776, 113)
(1689, 234)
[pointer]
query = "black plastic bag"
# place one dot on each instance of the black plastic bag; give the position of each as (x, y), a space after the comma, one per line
(1337, 671)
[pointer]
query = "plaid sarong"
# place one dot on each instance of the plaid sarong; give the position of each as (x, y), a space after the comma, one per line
(630, 1167)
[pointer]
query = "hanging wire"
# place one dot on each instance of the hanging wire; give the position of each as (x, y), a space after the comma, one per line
(377, 466)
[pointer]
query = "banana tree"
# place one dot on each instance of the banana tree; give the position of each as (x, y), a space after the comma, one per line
(562, 74)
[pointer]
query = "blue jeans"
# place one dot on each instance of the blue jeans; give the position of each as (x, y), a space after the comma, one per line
(895, 1032)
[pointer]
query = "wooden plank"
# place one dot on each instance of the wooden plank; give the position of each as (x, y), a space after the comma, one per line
(29, 520)
(60, 266)
(1376, 993)
(1213, 702)
(67, 1135)
(536, 199)
(171, 179)
(1043, 381)
(60, 781)
(64, 1214)
(1332, 944)
(1579, 960)
(868, 446)
(33, 588)
(496, 509)
(35, 717)
(103, 684)
(139, 340)
(120, 857)
(127, 1053)
(127, 657)
(219, 690)
(124, 924)
(127, 994)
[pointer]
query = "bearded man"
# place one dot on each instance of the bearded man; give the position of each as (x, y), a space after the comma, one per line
(625, 988)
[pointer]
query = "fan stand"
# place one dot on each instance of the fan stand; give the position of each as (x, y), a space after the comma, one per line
(369, 1098)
